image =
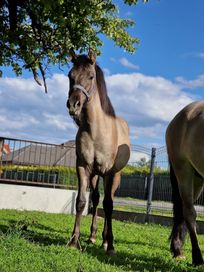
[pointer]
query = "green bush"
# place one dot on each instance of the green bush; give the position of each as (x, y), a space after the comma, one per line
(64, 175)
(135, 170)
(59, 169)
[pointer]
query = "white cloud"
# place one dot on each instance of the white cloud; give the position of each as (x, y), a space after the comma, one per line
(125, 62)
(148, 103)
(17, 122)
(153, 131)
(191, 84)
(129, 13)
(59, 121)
(106, 72)
(26, 111)
(200, 55)
(136, 156)
(193, 54)
(146, 98)
(113, 59)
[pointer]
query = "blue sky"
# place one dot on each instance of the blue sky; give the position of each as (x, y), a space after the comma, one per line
(170, 35)
(147, 88)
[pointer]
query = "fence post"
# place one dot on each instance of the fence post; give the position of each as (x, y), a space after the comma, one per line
(151, 183)
(1, 153)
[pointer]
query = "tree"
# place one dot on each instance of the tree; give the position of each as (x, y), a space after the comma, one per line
(37, 33)
(143, 162)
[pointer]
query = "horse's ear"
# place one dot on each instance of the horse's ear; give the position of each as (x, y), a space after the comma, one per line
(73, 55)
(92, 55)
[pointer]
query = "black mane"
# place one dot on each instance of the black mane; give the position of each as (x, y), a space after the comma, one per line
(105, 101)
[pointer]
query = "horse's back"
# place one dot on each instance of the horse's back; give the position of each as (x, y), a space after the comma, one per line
(185, 135)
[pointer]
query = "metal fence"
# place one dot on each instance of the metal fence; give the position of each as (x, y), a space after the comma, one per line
(42, 164)
(151, 192)
(37, 163)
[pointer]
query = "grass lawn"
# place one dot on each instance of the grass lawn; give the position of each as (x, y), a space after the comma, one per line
(36, 242)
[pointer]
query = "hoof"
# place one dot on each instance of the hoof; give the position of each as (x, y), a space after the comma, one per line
(91, 240)
(111, 253)
(105, 246)
(180, 258)
(74, 244)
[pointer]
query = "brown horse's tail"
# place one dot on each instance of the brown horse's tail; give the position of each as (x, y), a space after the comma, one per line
(179, 227)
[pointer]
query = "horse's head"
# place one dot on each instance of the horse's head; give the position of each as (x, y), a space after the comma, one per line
(82, 79)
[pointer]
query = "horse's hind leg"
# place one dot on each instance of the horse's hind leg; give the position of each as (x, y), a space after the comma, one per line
(190, 219)
(196, 253)
(186, 177)
(179, 229)
(111, 183)
(95, 200)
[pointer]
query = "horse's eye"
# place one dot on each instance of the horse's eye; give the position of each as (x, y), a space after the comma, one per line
(91, 77)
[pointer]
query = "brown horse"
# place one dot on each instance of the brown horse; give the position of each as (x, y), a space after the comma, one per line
(102, 143)
(185, 146)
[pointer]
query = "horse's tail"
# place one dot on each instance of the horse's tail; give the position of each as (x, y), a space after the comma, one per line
(178, 219)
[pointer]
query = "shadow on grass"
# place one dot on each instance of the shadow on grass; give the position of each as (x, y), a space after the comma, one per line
(139, 243)
(126, 261)
(140, 262)
(34, 232)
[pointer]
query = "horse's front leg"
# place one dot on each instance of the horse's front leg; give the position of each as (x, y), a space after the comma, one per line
(83, 178)
(95, 200)
(111, 183)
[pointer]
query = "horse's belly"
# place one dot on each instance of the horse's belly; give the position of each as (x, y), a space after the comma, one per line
(102, 158)
(103, 161)
(106, 161)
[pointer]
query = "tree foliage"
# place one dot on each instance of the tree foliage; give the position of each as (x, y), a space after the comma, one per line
(143, 162)
(35, 34)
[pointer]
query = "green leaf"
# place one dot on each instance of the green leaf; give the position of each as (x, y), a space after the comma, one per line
(46, 30)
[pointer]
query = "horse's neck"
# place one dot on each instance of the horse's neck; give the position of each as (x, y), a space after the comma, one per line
(95, 118)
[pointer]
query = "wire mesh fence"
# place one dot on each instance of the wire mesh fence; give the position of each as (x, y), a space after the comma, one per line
(145, 186)
(155, 200)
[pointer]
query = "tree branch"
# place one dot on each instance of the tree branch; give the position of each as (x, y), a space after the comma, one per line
(43, 76)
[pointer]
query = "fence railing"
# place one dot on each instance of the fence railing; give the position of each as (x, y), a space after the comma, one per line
(152, 190)
(37, 163)
(43, 164)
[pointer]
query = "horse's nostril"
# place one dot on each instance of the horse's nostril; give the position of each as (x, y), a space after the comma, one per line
(77, 104)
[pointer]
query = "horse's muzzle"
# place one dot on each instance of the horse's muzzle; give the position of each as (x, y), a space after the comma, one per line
(74, 107)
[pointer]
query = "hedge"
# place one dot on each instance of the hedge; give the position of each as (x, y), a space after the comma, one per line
(46, 174)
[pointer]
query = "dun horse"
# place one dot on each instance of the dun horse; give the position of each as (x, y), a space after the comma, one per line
(185, 146)
(102, 143)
